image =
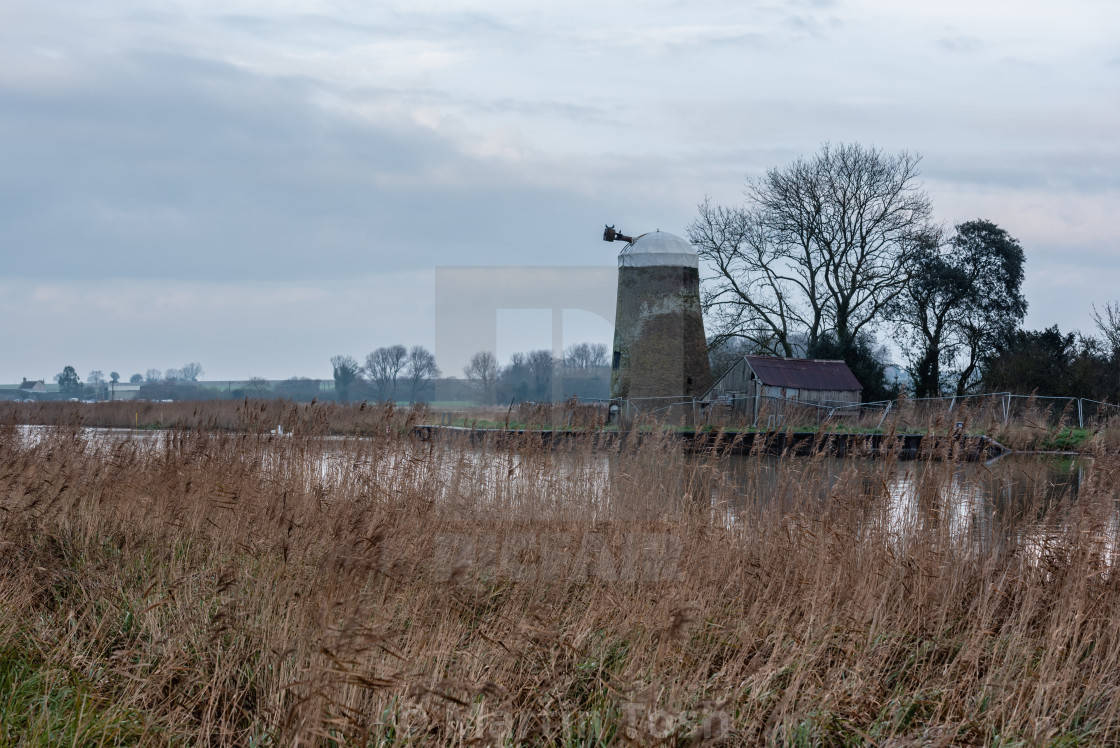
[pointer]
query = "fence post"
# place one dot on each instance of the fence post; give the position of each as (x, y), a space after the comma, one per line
(884, 416)
(1006, 407)
(1080, 415)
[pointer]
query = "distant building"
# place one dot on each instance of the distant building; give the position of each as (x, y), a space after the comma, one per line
(768, 386)
(124, 391)
(30, 387)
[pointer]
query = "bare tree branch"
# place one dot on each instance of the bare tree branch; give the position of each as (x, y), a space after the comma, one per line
(821, 246)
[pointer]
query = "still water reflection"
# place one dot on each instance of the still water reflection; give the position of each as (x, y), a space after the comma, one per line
(999, 503)
(1014, 484)
(1008, 501)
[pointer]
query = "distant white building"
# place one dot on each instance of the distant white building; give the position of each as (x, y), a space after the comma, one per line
(124, 391)
(33, 387)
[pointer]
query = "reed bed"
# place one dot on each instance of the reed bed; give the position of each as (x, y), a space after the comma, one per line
(252, 415)
(1030, 425)
(1021, 423)
(230, 586)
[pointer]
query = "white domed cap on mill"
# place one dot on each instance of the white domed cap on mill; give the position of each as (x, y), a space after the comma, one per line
(658, 248)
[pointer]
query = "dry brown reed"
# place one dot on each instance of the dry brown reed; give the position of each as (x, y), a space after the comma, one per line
(1020, 423)
(252, 415)
(1028, 425)
(228, 586)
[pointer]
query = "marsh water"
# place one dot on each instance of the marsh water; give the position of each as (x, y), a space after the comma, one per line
(1016, 484)
(984, 502)
(987, 503)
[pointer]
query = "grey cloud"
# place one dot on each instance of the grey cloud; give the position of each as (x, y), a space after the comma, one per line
(151, 16)
(542, 108)
(810, 24)
(259, 25)
(1079, 171)
(605, 113)
(176, 167)
(756, 6)
(960, 44)
(672, 41)
(717, 40)
(274, 27)
(801, 22)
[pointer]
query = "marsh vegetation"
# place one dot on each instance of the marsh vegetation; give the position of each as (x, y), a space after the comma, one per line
(216, 583)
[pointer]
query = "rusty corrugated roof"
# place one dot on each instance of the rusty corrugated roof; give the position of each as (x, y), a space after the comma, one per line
(803, 373)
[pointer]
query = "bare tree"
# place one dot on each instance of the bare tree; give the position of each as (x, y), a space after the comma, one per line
(726, 354)
(1109, 324)
(541, 365)
(820, 247)
(482, 373)
(151, 376)
(383, 366)
(751, 293)
(420, 369)
(95, 383)
(585, 355)
(191, 372)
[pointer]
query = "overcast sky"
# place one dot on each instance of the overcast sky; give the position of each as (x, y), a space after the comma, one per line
(258, 186)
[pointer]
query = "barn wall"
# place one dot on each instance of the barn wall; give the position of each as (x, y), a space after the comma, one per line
(737, 380)
(830, 397)
(737, 383)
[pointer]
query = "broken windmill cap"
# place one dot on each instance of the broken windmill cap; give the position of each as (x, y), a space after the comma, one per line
(658, 248)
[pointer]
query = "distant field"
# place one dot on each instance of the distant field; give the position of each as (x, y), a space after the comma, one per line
(217, 583)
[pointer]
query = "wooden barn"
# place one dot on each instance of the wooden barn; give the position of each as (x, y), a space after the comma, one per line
(771, 388)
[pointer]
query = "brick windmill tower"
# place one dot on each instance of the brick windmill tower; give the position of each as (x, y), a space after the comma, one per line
(659, 346)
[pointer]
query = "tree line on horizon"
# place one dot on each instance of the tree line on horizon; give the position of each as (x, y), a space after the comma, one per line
(97, 383)
(530, 376)
(396, 372)
(383, 370)
(183, 383)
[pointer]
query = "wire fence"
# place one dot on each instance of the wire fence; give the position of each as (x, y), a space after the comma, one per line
(986, 410)
(991, 412)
